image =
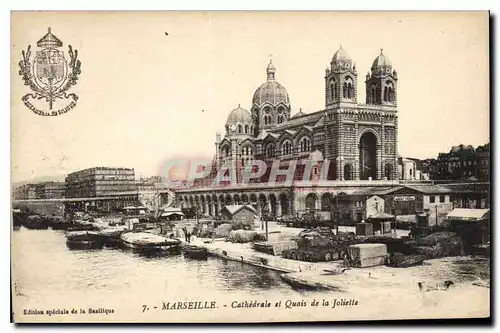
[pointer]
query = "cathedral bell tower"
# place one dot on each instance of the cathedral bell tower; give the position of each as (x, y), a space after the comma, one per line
(341, 80)
(381, 83)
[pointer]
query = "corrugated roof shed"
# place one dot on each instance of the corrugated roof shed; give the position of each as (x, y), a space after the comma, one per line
(233, 209)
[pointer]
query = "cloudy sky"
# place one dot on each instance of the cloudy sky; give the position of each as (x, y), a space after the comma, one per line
(145, 97)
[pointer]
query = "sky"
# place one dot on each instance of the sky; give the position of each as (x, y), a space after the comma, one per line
(146, 97)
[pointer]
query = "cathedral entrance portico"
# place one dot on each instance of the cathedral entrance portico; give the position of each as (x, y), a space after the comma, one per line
(368, 156)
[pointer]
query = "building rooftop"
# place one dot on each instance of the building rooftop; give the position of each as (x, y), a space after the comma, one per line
(233, 209)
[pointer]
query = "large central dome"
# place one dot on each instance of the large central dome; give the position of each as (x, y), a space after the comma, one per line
(271, 91)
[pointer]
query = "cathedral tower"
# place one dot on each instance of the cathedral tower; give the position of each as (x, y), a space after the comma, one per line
(341, 80)
(381, 83)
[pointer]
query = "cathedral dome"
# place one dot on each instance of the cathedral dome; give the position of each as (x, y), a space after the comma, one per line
(341, 56)
(271, 91)
(341, 60)
(381, 63)
(239, 115)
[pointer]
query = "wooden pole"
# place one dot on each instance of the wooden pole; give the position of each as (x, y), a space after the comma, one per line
(267, 231)
(436, 207)
(213, 231)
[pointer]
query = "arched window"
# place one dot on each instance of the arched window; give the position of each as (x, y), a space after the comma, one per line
(344, 91)
(348, 174)
(374, 94)
(348, 87)
(332, 90)
(227, 129)
(391, 95)
(305, 144)
(389, 91)
(240, 129)
(225, 151)
(267, 120)
(286, 148)
(270, 151)
(388, 172)
(246, 129)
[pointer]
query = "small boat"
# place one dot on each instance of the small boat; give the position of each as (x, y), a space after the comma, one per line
(17, 218)
(84, 239)
(35, 222)
(195, 252)
(112, 235)
(79, 225)
(60, 223)
(148, 241)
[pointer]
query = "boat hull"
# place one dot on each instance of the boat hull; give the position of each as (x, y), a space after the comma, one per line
(61, 226)
(85, 244)
(149, 247)
(194, 252)
(149, 242)
(35, 222)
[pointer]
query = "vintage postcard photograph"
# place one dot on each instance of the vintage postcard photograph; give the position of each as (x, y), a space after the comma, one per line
(249, 166)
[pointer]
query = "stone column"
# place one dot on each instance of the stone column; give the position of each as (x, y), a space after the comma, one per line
(379, 161)
(318, 202)
(299, 202)
(278, 207)
(357, 167)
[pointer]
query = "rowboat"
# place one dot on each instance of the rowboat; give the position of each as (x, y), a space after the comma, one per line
(35, 222)
(112, 235)
(195, 252)
(84, 239)
(148, 241)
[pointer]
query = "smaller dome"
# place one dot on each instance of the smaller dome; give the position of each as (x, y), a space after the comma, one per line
(341, 56)
(341, 60)
(239, 115)
(381, 63)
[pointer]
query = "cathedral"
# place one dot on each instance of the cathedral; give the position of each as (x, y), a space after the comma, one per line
(359, 140)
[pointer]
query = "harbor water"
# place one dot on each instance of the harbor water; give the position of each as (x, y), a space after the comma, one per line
(51, 276)
(47, 268)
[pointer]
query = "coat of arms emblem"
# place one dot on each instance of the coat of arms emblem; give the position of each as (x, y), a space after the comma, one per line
(50, 76)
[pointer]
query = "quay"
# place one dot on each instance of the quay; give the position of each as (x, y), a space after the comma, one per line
(331, 276)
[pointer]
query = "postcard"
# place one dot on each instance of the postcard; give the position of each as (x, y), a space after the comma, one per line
(243, 167)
